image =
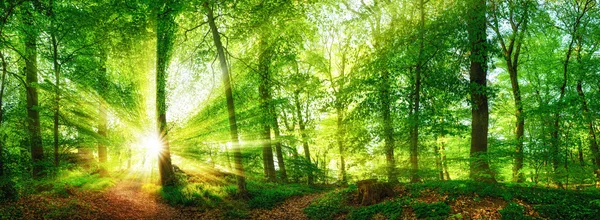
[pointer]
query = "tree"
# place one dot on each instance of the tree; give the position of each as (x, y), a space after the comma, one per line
(165, 37)
(517, 14)
(476, 27)
(265, 105)
(31, 33)
(233, 130)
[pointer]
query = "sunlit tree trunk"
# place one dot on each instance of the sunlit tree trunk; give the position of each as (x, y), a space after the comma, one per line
(278, 149)
(102, 114)
(56, 68)
(414, 123)
(265, 105)
(165, 35)
(341, 134)
(237, 154)
(476, 26)
(56, 97)
(302, 127)
(388, 129)
(33, 114)
(511, 50)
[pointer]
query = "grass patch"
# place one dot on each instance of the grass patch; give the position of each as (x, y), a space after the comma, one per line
(392, 210)
(269, 195)
(438, 210)
(193, 194)
(330, 204)
(514, 211)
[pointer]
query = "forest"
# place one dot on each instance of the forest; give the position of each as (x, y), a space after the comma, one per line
(299, 109)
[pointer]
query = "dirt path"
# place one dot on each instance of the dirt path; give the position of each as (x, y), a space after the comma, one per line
(126, 200)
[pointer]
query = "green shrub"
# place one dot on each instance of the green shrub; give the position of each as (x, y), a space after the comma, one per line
(267, 196)
(330, 204)
(513, 211)
(8, 190)
(390, 209)
(433, 210)
(190, 195)
(567, 211)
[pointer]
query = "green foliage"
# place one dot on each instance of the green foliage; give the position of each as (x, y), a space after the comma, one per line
(330, 204)
(438, 210)
(268, 195)
(192, 194)
(513, 211)
(390, 209)
(8, 190)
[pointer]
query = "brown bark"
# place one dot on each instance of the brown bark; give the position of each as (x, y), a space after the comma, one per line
(33, 114)
(278, 149)
(476, 26)
(414, 123)
(388, 129)
(265, 105)
(511, 52)
(237, 154)
(302, 127)
(164, 45)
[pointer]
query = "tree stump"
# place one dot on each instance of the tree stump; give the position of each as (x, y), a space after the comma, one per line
(371, 192)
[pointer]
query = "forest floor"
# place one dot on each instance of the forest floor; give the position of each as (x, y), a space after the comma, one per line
(127, 200)
(132, 199)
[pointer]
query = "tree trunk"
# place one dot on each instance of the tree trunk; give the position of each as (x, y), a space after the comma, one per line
(414, 123)
(56, 67)
(476, 26)
(237, 154)
(341, 133)
(2, 84)
(165, 34)
(302, 126)
(265, 105)
(102, 114)
(592, 134)
(388, 129)
(33, 114)
(278, 149)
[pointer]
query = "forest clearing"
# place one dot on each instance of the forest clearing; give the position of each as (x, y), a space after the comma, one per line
(299, 109)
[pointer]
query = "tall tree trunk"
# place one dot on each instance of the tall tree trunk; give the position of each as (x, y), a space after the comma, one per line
(517, 175)
(56, 67)
(476, 27)
(388, 129)
(341, 134)
(444, 161)
(556, 129)
(37, 149)
(414, 123)
(302, 126)
(2, 84)
(265, 105)
(511, 52)
(591, 133)
(237, 154)
(278, 149)
(102, 114)
(165, 34)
